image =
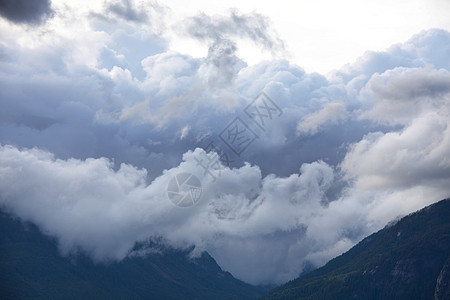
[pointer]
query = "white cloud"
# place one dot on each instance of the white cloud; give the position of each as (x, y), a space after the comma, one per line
(184, 132)
(402, 94)
(414, 156)
(331, 113)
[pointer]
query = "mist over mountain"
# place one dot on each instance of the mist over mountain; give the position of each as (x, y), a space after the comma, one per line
(32, 268)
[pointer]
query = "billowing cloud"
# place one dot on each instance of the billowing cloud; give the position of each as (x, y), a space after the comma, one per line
(416, 154)
(93, 208)
(401, 94)
(92, 134)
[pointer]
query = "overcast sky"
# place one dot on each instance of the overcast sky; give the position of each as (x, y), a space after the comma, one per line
(345, 108)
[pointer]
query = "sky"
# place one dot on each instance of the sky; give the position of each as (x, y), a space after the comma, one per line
(298, 129)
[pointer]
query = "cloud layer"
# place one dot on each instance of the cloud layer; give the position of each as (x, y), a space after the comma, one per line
(91, 135)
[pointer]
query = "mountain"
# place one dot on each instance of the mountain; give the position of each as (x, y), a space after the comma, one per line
(406, 260)
(32, 268)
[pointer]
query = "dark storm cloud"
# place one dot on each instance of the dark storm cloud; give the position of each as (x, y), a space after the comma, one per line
(252, 26)
(31, 12)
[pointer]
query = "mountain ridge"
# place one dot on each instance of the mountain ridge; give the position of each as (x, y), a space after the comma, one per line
(32, 267)
(405, 260)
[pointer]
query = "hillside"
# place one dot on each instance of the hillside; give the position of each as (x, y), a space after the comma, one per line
(407, 260)
(32, 268)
